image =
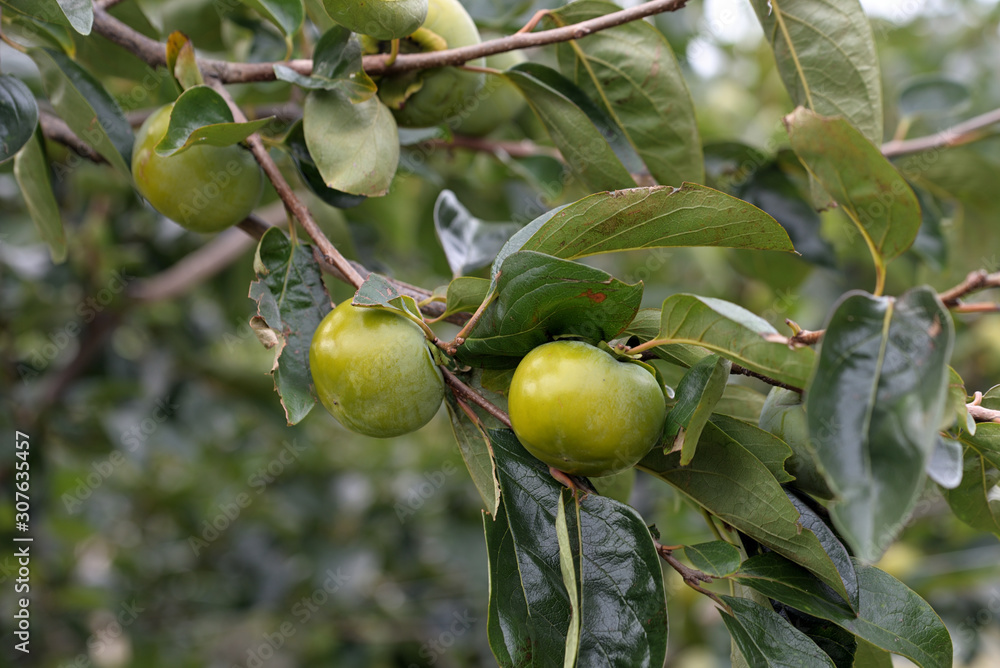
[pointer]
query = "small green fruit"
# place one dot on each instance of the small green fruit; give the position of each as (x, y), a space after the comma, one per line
(499, 101)
(430, 97)
(373, 371)
(381, 19)
(579, 410)
(784, 415)
(205, 188)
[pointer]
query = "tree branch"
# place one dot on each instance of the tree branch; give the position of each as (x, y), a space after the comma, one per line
(154, 53)
(463, 391)
(976, 280)
(523, 148)
(963, 133)
(55, 128)
(691, 576)
(743, 371)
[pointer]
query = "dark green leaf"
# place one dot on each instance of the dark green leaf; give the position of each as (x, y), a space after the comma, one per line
(734, 333)
(696, 396)
(866, 186)
(878, 396)
(469, 243)
(869, 656)
(717, 558)
(540, 297)
(337, 65)
(381, 20)
(378, 292)
(827, 59)
(729, 164)
(646, 325)
(632, 73)
(624, 618)
(945, 465)
(976, 501)
(31, 170)
(291, 302)
(508, 624)
(768, 448)
(78, 14)
(732, 484)
(589, 148)
(18, 115)
(933, 96)
(839, 645)
(476, 451)
(88, 109)
(355, 146)
(780, 579)
(657, 217)
(295, 142)
(287, 15)
(200, 117)
(768, 641)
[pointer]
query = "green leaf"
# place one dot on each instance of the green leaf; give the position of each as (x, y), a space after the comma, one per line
(933, 96)
(33, 32)
(827, 58)
(945, 465)
(766, 640)
(869, 656)
(476, 452)
(337, 65)
(540, 297)
(291, 302)
(286, 15)
(623, 608)
(355, 146)
(200, 117)
(976, 500)
(717, 558)
(646, 325)
(838, 644)
(571, 568)
(765, 446)
(878, 396)
(469, 243)
(18, 116)
(658, 217)
(734, 333)
(295, 143)
(732, 484)
(871, 192)
(77, 14)
(697, 394)
(31, 170)
(632, 73)
(743, 403)
(182, 62)
(589, 147)
(780, 579)
(957, 411)
(381, 20)
(507, 625)
(88, 109)
(464, 294)
(378, 292)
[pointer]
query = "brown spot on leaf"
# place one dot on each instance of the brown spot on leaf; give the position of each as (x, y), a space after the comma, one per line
(596, 297)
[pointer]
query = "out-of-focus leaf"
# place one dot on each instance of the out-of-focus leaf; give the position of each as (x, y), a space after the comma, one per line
(734, 333)
(77, 14)
(870, 191)
(540, 297)
(477, 453)
(88, 109)
(586, 138)
(469, 243)
(18, 115)
(732, 484)
(31, 171)
(381, 20)
(291, 302)
(827, 58)
(295, 142)
(717, 558)
(878, 395)
(631, 71)
(933, 96)
(976, 500)
(507, 626)
(200, 117)
(287, 15)
(696, 395)
(766, 640)
(355, 146)
(945, 465)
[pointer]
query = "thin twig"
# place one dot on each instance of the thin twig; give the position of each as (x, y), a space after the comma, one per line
(154, 53)
(296, 206)
(743, 371)
(963, 133)
(463, 391)
(976, 280)
(55, 128)
(691, 576)
(980, 413)
(524, 148)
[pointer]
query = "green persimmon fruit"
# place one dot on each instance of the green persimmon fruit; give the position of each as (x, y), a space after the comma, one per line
(204, 189)
(499, 101)
(381, 19)
(374, 372)
(579, 410)
(784, 415)
(430, 97)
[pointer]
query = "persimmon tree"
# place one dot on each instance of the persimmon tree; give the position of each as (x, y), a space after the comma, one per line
(869, 409)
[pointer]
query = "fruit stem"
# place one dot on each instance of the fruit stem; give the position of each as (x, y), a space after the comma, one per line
(393, 52)
(643, 347)
(460, 337)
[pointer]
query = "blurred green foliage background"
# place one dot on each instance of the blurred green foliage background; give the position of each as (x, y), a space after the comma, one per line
(180, 522)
